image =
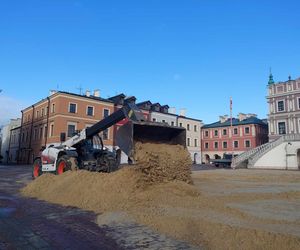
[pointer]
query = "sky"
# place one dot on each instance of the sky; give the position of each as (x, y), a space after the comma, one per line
(191, 54)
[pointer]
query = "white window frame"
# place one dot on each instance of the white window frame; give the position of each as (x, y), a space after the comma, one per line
(245, 130)
(71, 123)
(249, 143)
(87, 108)
(195, 142)
(206, 143)
(51, 129)
(277, 101)
(103, 112)
(223, 144)
(215, 144)
(53, 108)
(188, 142)
(70, 107)
(298, 100)
(237, 144)
(277, 126)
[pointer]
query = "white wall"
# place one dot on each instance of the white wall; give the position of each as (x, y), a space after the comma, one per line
(284, 156)
(162, 116)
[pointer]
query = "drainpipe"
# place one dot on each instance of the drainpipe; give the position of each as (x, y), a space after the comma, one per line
(29, 146)
(48, 111)
(19, 148)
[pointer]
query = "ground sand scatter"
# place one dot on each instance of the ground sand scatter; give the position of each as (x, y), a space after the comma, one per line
(165, 201)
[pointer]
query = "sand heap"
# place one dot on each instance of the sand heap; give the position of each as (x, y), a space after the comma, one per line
(162, 162)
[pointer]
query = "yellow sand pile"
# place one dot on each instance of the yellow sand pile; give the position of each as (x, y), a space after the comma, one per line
(162, 162)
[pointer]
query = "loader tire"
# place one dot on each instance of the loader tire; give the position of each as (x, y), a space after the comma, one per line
(111, 163)
(63, 164)
(37, 168)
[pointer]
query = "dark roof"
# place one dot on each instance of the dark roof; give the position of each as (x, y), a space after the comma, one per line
(165, 106)
(156, 104)
(235, 122)
(117, 96)
(188, 118)
(145, 102)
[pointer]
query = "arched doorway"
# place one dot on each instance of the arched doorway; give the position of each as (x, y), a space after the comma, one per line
(207, 158)
(217, 156)
(195, 158)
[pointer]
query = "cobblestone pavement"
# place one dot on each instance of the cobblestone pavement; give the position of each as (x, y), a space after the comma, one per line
(32, 224)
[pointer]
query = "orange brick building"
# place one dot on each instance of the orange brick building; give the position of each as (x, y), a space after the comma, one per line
(66, 112)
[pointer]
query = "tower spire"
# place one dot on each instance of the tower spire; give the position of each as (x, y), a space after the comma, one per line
(271, 81)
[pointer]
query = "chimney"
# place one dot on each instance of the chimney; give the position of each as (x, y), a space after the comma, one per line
(172, 110)
(182, 112)
(223, 118)
(52, 92)
(87, 93)
(251, 115)
(97, 92)
(242, 116)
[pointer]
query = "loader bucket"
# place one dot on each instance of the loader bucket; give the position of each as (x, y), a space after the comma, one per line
(153, 132)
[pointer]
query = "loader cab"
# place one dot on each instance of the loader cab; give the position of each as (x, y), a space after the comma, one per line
(89, 150)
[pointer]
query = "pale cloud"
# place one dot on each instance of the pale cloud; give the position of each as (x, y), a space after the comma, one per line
(10, 108)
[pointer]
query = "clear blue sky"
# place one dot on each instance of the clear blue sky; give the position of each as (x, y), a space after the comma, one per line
(191, 54)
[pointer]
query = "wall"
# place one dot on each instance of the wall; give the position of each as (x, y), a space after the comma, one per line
(284, 156)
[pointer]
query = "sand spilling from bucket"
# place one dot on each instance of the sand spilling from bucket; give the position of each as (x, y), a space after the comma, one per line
(161, 163)
(163, 202)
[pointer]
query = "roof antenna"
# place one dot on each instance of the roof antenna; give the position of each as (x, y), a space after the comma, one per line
(80, 89)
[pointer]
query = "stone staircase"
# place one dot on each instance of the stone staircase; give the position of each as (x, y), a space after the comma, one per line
(249, 158)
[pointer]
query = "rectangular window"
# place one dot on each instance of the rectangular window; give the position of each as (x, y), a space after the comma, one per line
(71, 130)
(235, 131)
(224, 131)
(51, 129)
(53, 108)
(206, 145)
(216, 145)
(247, 144)
(236, 144)
(45, 131)
(195, 128)
(41, 132)
(247, 130)
(105, 134)
(172, 123)
(281, 128)
(163, 121)
(37, 114)
(180, 124)
(154, 119)
(280, 106)
(72, 107)
(188, 142)
(216, 132)
(196, 143)
(90, 111)
(105, 113)
(298, 103)
(224, 144)
(206, 133)
(42, 114)
(188, 127)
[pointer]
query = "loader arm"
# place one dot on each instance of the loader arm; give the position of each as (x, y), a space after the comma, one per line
(129, 110)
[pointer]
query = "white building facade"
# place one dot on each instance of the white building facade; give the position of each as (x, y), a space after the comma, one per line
(284, 107)
(6, 139)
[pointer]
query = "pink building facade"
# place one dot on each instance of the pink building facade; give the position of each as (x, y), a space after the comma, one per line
(247, 132)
